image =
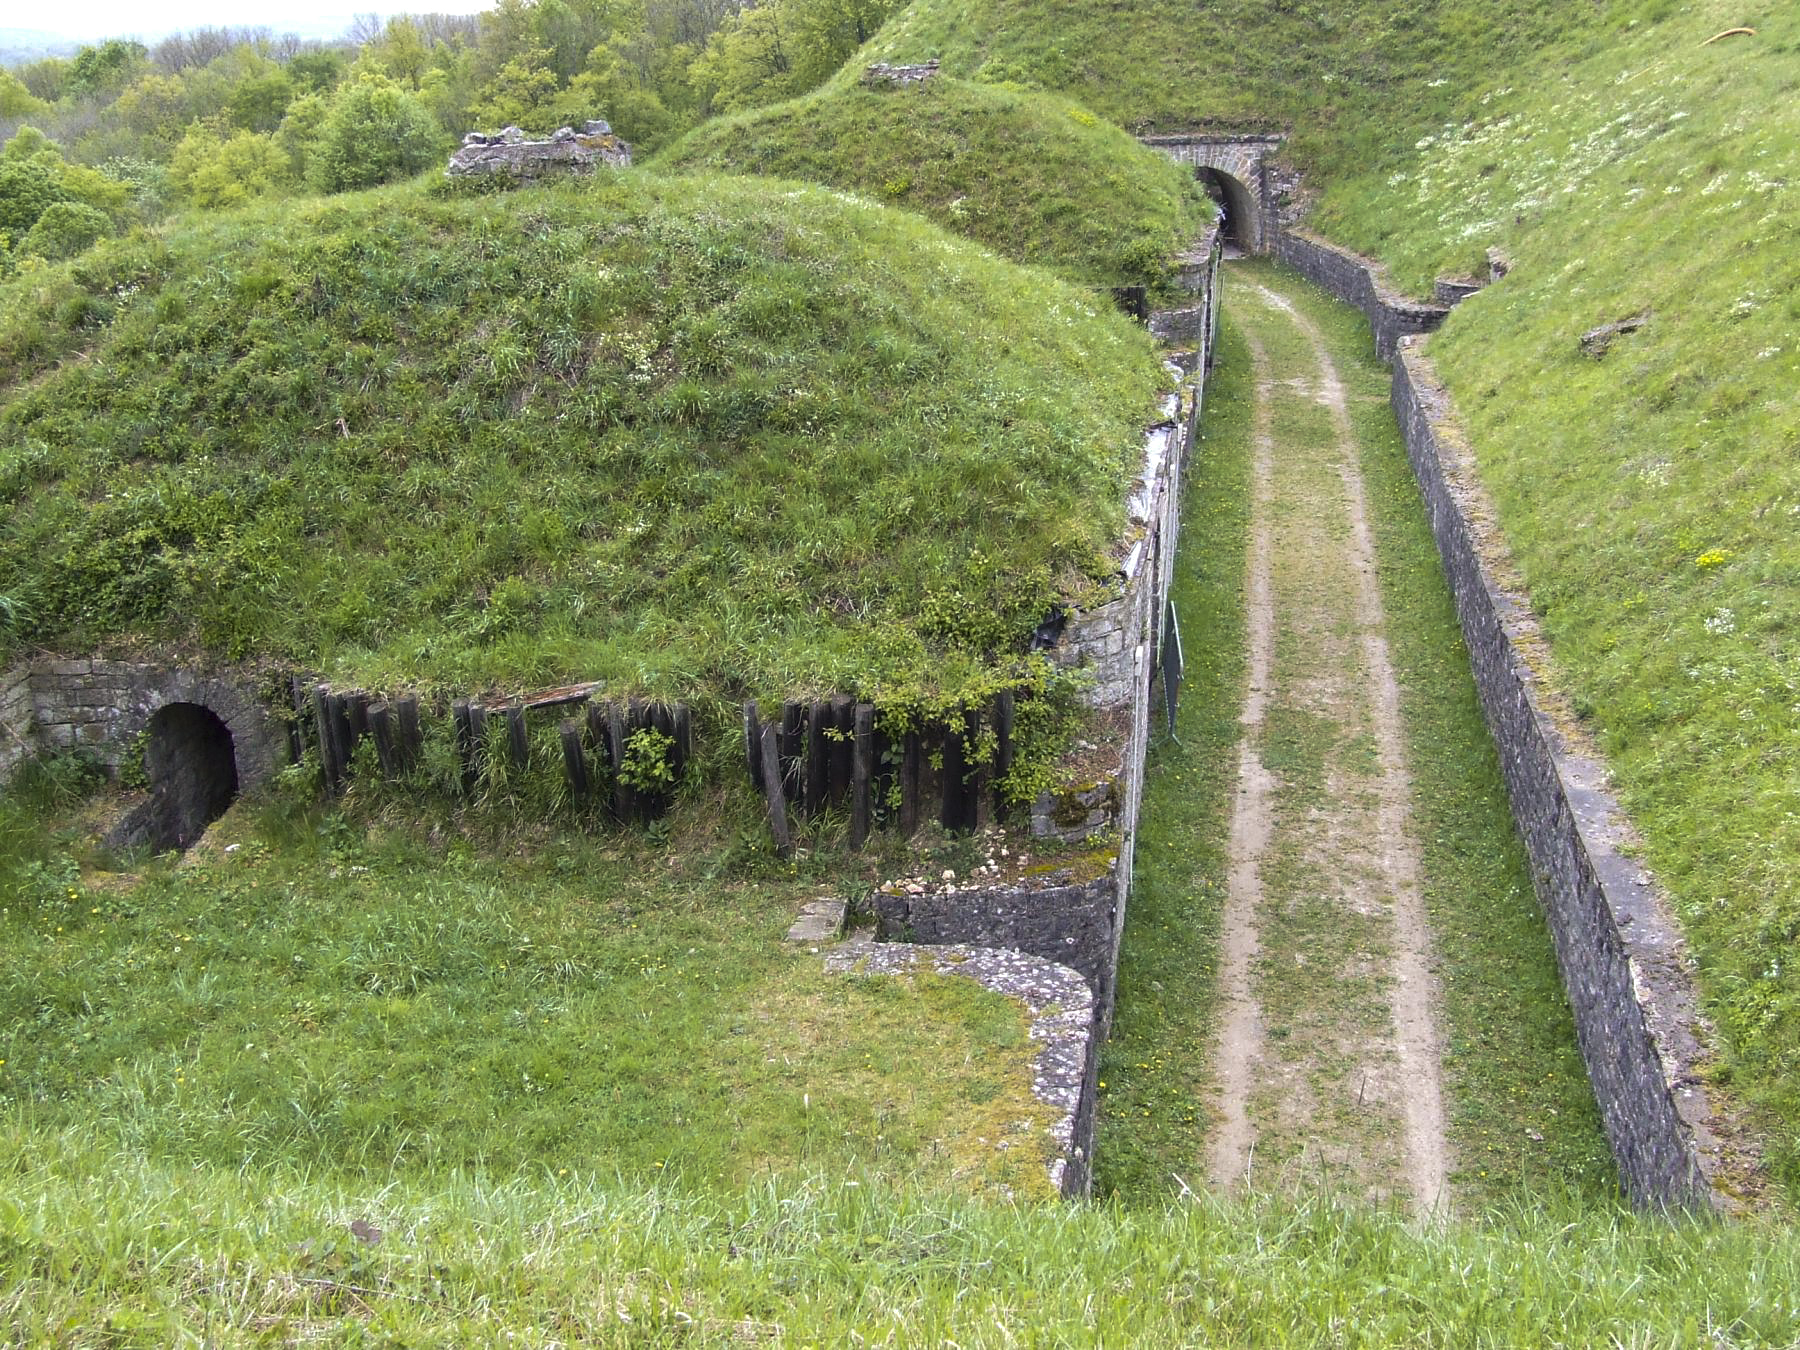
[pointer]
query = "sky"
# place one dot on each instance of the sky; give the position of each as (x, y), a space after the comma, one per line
(154, 18)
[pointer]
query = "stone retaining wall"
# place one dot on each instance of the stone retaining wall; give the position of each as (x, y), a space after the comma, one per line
(1622, 957)
(55, 704)
(1359, 281)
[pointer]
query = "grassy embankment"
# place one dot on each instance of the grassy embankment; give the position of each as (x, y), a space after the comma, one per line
(1032, 176)
(1650, 496)
(695, 436)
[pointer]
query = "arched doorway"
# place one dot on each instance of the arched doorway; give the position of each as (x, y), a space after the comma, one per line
(191, 763)
(1237, 210)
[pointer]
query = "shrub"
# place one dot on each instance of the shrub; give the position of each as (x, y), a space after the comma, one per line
(65, 229)
(375, 132)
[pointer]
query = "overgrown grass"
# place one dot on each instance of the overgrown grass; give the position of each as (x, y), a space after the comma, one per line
(333, 993)
(680, 434)
(1034, 177)
(160, 1253)
(1349, 79)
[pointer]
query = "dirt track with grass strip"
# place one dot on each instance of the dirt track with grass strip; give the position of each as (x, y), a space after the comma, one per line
(1329, 1060)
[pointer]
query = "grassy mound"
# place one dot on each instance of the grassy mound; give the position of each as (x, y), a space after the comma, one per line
(683, 434)
(1034, 177)
(1344, 75)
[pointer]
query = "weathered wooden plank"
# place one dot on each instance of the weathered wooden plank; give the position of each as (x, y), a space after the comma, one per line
(862, 771)
(843, 724)
(1004, 712)
(624, 799)
(774, 798)
(409, 738)
(381, 731)
(331, 764)
(574, 759)
(818, 758)
(683, 720)
(793, 747)
(912, 757)
(950, 802)
(753, 744)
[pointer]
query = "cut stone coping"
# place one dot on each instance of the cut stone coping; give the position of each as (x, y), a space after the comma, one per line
(1061, 1009)
(820, 921)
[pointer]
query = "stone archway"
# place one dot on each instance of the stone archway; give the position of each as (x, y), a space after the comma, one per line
(191, 762)
(1238, 224)
(1234, 169)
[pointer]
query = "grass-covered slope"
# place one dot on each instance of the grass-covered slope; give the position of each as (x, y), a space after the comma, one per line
(1036, 178)
(677, 433)
(330, 992)
(1342, 74)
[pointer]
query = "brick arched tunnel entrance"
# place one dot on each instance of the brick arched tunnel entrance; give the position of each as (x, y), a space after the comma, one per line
(1234, 171)
(191, 763)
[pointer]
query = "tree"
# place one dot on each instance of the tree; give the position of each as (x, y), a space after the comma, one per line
(107, 68)
(317, 71)
(299, 132)
(16, 101)
(374, 132)
(260, 99)
(521, 94)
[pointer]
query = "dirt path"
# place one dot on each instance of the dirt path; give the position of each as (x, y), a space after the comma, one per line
(1329, 1057)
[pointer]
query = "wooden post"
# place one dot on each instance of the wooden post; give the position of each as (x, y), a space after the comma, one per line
(356, 708)
(409, 739)
(598, 741)
(683, 721)
(753, 744)
(775, 799)
(574, 761)
(862, 769)
(331, 771)
(950, 811)
(1003, 748)
(518, 742)
(793, 747)
(624, 799)
(818, 758)
(975, 796)
(465, 743)
(299, 702)
(843, 721)
(478, 733)
(381, 728)
(911, 757)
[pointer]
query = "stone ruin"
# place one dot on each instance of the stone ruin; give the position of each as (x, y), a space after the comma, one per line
(567, 151)
(901, 76)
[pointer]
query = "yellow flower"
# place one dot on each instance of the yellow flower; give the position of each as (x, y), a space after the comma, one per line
(1713, 557)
